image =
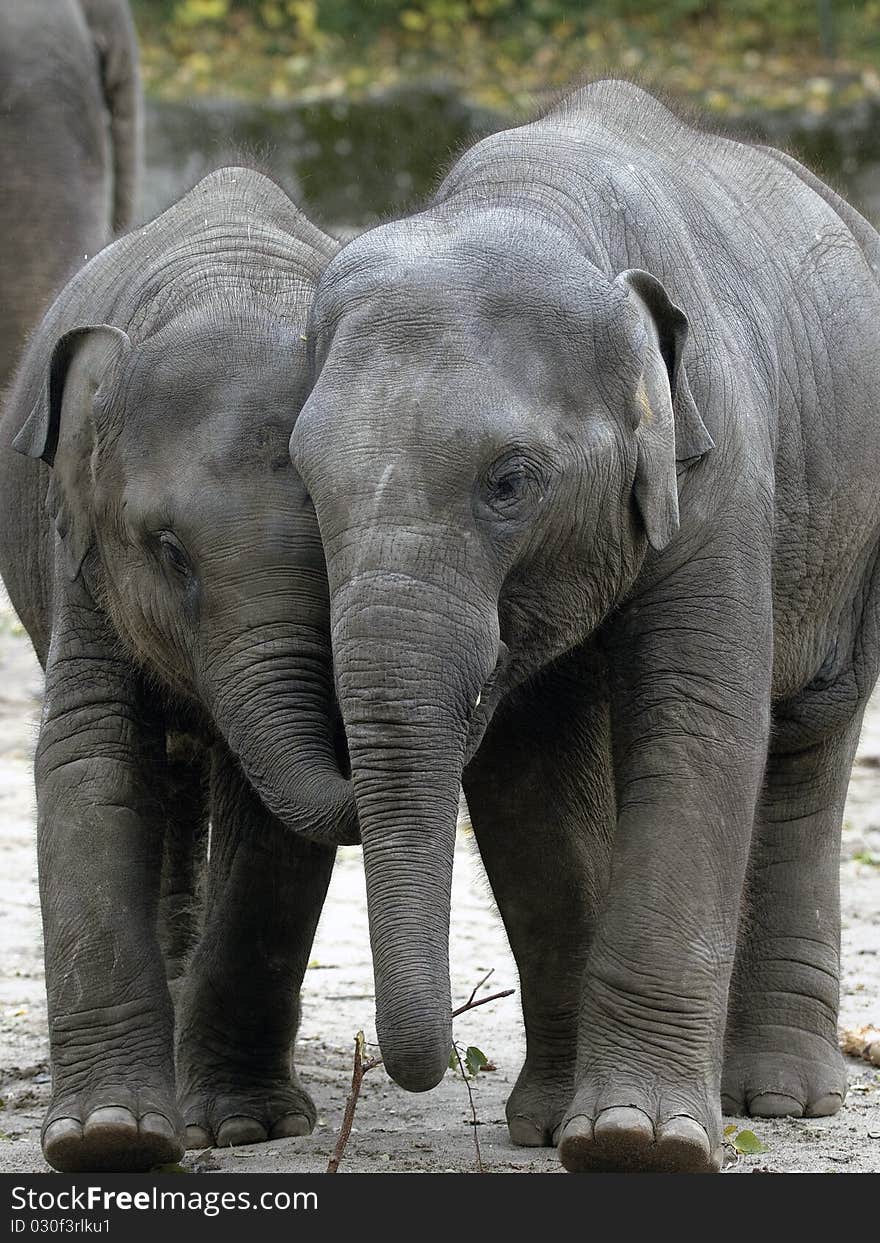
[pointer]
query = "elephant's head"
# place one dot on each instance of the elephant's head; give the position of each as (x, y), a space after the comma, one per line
(175, 500)
(491, 446)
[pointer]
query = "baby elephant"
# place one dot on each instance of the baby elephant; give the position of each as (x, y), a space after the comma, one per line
(593, 449)
(166, 563)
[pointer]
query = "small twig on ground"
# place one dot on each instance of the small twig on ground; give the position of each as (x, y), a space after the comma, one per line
(362, 1064)
(467, 1084)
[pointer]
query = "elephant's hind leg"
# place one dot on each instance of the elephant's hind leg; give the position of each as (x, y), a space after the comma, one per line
(781, 1055)
(541, 799)
(239, 1011)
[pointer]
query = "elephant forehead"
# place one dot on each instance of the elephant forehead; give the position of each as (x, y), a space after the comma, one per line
(432, 402)
(481, 267)
(213, 410)
(471, 356)
(219, 444)
(194, 368)
(475, 303)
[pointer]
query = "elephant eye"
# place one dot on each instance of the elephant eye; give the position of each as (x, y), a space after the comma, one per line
(173, 553)
(511, 488)
(508, 489)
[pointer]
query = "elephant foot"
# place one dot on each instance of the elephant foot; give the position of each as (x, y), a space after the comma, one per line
(537, 1105)
(626, 1139)
(641, 1132)
(113, 1132)
(224, 1116)
(784, 1073)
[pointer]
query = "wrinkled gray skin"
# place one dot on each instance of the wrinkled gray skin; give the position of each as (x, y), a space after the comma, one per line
(179, 606)
(616, 568)
(70, 141)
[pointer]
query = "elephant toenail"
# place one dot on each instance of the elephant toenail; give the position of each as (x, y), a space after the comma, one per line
(580, 1127)
(525, 1132)
(61, 1130)
(775, 1105)
(198, 1137)
(63, 1144)
(575, 1143)
(686, 1132)
(240, 1130)
(624, 1120)
(824, 1106)
(156, 1124)
(291, 1125)
(112, 1117)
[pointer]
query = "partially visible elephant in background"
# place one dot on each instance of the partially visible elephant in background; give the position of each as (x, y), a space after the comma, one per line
(166, 563)
(70, 138)
(593, 448)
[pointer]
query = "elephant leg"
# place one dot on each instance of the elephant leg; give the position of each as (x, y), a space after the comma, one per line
(541, 799)
(99, 843)
(185, 800)
(240, 1008)
(781, 1051)
(690, 669)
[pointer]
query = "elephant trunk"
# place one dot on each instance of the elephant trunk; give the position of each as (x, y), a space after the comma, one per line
(408, 677)
(271, 696)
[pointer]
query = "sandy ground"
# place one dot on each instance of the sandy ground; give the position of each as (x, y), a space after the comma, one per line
(395, 1131)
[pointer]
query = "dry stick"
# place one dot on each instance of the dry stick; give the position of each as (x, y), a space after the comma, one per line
(479, 985)
(484, 1001)
(357, 1078)
(362, 1065)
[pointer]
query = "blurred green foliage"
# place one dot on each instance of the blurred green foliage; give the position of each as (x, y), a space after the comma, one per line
(730, 54)
(781, 18)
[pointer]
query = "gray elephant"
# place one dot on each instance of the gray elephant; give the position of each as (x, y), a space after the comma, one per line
(70, 137)
(593, 449)
(178, 603)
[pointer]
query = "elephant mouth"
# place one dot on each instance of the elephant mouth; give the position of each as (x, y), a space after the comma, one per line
(494, 689)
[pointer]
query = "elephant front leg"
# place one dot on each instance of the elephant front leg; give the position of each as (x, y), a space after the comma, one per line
(100, 847)
(240, 1008)
(781, 1052)
(690, 701)
(541, 798)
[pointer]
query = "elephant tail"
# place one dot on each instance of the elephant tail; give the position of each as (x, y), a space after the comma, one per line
(112, 29)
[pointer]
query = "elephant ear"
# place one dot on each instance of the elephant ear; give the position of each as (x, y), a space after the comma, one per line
(669, 428)
(62, 429)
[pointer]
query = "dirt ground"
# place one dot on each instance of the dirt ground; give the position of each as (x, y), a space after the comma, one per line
(395, 1131)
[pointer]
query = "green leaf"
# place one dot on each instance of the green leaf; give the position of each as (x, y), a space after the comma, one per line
(748, 1144)
(475, 1059)
(453, 1060)
(729, 1130)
